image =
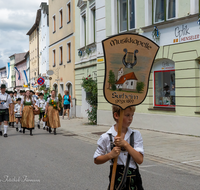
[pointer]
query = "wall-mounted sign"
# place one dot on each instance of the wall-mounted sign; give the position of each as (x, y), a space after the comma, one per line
(100, 60)
(50, 72)
(177, 34)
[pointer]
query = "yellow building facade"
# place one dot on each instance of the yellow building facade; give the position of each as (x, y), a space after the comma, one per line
(33, 34)
(62, 45)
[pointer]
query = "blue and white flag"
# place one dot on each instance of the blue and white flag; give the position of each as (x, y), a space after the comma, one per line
(8, 69)
(18, 72)
(25, 77)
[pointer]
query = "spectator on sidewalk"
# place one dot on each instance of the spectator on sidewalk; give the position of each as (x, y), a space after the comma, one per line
(66, 102)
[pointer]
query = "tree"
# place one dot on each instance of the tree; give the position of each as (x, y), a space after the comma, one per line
(140, 86)
(111, 79)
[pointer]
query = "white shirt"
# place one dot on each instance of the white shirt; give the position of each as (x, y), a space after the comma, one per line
(15, 98)
(17, 108)
(7, 98)
(41, 103)
(104, 146)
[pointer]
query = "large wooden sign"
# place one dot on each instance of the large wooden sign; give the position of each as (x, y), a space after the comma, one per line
(128, 62)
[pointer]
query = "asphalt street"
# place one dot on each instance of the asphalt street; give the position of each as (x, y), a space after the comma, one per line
(65, 162)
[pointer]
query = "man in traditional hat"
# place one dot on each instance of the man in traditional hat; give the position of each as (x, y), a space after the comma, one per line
(5, 100)
(21, 93)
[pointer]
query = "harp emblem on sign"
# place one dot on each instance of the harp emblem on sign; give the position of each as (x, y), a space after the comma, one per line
(130, 59)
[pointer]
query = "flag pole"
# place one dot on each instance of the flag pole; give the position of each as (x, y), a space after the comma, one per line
(112, 182)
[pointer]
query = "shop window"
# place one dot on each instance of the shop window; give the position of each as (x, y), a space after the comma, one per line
(126, 15)
(164, 88)
(164, 10)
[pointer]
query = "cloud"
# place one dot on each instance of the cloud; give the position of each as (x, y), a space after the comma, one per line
(17, 17)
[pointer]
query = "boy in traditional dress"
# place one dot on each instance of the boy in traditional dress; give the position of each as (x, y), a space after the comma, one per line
(5, 101)
(122, 148)
(41, 103)
(18, 115)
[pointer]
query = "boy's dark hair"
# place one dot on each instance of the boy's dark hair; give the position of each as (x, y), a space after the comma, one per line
(117, 110)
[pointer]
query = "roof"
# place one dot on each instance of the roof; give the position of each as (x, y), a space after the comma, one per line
(2, 68)
(37, 21)
(19, 57)
(124, 78)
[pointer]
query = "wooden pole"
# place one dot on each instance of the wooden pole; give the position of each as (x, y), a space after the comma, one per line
(112, 183)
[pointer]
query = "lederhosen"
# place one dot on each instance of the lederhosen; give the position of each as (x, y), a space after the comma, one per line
(4, 113)
(42, 111)
(18, 115)
(131, 173)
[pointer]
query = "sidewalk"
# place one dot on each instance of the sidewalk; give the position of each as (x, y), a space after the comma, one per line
(179, 150)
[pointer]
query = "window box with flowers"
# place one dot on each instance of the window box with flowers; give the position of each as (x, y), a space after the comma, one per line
(90, 87)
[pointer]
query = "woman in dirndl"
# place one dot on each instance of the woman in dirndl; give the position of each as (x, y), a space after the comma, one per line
(27, 105)
(11, 110)
(52, 107)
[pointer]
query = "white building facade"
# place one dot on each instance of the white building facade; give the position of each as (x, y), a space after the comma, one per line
(44, 42)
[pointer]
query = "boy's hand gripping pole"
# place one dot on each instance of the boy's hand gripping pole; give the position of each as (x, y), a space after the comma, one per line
(112, 183)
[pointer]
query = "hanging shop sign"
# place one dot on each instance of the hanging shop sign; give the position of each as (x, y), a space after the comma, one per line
(177, 34)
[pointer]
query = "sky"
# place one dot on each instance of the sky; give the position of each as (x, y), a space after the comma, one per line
(16, 19)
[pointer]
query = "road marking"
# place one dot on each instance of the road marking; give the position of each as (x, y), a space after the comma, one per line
(148, 166)
(190, 161)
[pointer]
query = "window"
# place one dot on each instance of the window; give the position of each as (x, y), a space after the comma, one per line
(164, 10)
(171, 9)
(61, 19)
(164, 88)
(83, 30)
(54, 23)
(54, 58)
(68, 12)
(69, 52)
(61, 55)
(126, 15)
(92, 25)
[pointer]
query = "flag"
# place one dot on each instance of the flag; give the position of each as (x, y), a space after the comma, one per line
(8, 70)
(25, 77)
(18, 72)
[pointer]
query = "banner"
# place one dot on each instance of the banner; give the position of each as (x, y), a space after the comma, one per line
(8, 70)
(17, 72)
(25, 77)
(128, 61)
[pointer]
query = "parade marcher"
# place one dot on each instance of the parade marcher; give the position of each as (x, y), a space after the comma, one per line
(27, 105)
(15, 97)
(18, 115)
(5, 100)
(21, 94)
(129, 144)
(41, 103)
(35, 97)
(11, 110)
(52, 107)
(66, 100)
(46, 94)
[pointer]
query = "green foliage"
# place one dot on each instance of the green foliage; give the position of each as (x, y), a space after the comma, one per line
(60, 100)
(111, 79)
(92, 115)
(140, 86)
(90, 86)
(113, 87)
